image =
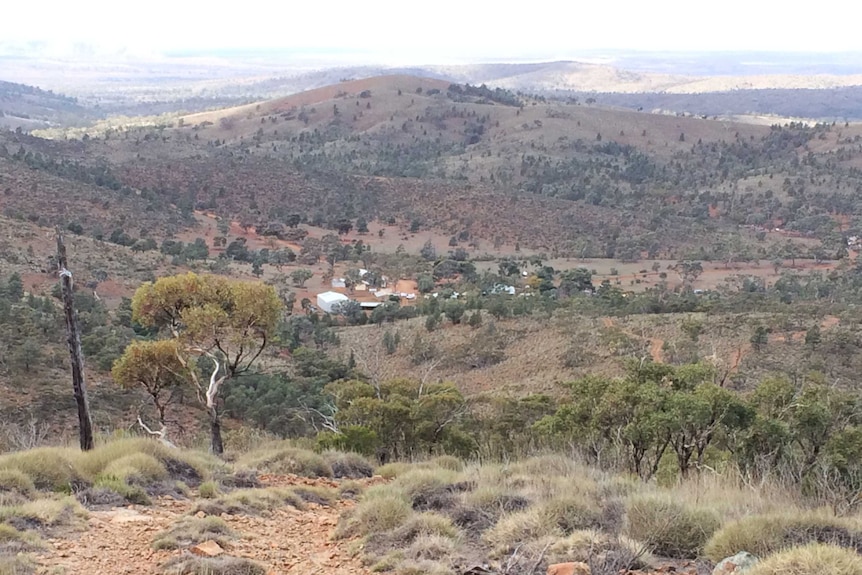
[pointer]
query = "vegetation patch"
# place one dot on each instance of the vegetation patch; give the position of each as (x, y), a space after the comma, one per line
(188, 564)
(348, 465)
(284, 458)
(193, 530)
(13, 541)
(763, 535)
(250, 502)
(670, 528)
(19, 564)
(44, 513)
(811, 559)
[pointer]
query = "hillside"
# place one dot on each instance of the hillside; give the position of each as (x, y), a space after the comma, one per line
(30, 108)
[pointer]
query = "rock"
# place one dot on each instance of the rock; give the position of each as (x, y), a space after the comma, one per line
(207, 549)
(739, 563)
(574, 568)
(123, 515)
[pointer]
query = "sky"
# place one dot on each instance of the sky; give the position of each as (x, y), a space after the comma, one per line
(403, 32)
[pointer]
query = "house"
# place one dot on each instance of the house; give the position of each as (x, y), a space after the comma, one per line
(338, 283)
(327, 299)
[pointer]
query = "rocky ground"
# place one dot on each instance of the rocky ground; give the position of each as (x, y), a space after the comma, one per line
(286, 540)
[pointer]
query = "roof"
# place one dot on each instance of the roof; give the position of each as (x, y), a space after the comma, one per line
(331, 296)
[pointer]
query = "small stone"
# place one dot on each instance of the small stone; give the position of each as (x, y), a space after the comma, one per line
(739, 563)
(572, 568)
(208, 548)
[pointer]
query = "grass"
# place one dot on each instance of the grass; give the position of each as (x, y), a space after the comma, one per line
(14, 541)
(140, 461)
(283, 458)
(190, 531)
(668, 527)
(43, 513)
(380, 510)
(314, 494)
(348, 465)
(811, 559)
(766, 534)
(188, 564)
(16, 565)
(208, 490)
(250, 502)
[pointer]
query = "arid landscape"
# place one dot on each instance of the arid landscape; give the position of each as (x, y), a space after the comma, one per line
(574, 316)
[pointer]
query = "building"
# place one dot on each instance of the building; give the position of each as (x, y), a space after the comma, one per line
(327, 299)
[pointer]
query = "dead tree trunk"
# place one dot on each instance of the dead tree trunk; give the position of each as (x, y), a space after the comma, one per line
(73, 337)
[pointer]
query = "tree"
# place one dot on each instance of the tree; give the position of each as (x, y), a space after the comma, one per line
(15, 287)
(813, 336)
(759, 338)
(361, 225)
(156, 367)
(301, 276)
(219, 325)
(428, 252)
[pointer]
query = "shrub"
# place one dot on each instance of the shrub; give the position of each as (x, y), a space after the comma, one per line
(314, 494)
(431, 547)
(16, 565)
(15, 482)
(600, 550)
(249, 502)
(379, 511)
(350, 489)
(14, 541)
(448, 462)
(188, 564)
(348, 465)
(283, 458)
(48, 468)
(208, 490)
(44, 512)
(421, 484)
(811, 559)
(131, 493)
(191, 531)
(670, 528)
(140, 468)
(393, 470)
(766, 534)
(424, 567)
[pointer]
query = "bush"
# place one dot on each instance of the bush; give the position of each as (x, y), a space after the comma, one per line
(811, 559)
(48, 468)
(15, 482)
(595, 547)
(670, 528)
(14, 541)
(139, 468)
(283, 458)
(766, 534)
(348, 465)
(44, 513)
(191, 531)
(208, 490)
(249, 502)
(130, 493)
(382, 509)
(393, 470)
(16, 565)
(421, 484)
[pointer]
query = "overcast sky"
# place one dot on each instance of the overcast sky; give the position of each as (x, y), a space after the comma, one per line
(391, 31)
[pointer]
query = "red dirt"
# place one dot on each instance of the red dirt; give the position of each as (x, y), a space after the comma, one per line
(287, 541)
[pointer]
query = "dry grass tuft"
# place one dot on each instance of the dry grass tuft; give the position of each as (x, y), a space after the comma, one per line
(13, 541)
(281, 457)
(811, 559)
(42, 513)
(250, 502)
(379, 511)
(766, 534)
(19, 564)
(208, 490)
(423, 567)
(188, 564)
(670, 528)
(348, 465)
(393, 470)
(190, 531)
(314, 494)
(14, 482)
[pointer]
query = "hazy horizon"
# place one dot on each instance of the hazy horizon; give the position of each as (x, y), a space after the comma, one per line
(392, 33)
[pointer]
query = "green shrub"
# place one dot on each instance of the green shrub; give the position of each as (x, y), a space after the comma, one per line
(763, 535)
(48, 468)
(381, 512)
(670, 528)
(811, 559)
(131, 493)
(393, 470)
(208, 490)
(45, 512)
(140, 468)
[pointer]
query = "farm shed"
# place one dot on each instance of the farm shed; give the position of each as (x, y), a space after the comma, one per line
(327, 299)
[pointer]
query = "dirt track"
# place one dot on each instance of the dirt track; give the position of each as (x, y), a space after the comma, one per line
(286, 540)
